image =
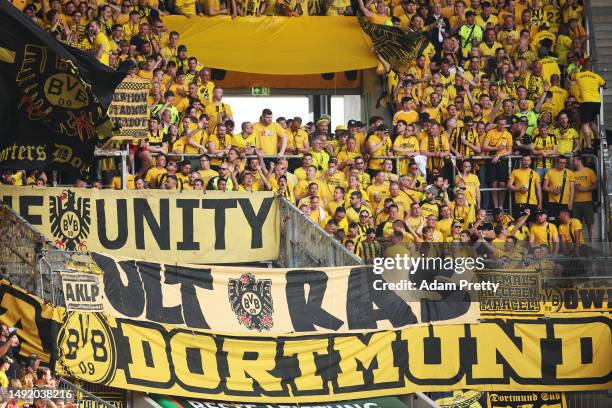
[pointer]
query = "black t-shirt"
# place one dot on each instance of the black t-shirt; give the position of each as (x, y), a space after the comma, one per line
(138, 41)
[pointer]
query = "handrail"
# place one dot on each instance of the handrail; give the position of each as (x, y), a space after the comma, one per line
(75, 388)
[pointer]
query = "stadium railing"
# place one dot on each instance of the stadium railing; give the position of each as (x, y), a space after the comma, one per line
(306, 244)
(605, 166)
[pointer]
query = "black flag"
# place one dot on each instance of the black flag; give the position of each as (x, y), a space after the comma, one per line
(53, 99)
(397, 47)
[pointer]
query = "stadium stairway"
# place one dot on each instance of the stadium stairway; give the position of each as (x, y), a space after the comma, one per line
(601, 34)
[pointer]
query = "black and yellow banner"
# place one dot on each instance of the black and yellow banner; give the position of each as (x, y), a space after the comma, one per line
(522, 293)
(558, 354)
(129, 110)
(216, 227)
(264, 301)
(54, 99)
(576, 299)
(526, 400)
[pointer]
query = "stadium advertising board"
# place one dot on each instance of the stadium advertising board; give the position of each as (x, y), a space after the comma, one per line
(158, 225)
(262, 301)
(557, 354)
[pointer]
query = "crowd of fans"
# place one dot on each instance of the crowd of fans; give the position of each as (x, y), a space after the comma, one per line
(18, 374)
(499, 80)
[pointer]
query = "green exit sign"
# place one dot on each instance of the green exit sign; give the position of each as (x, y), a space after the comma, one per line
(260, 91)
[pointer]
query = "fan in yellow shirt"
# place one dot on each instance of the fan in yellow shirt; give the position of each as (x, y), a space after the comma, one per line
(525, 183)
(559, 184)
(269, 134)
(100, 43)
(406, 144)
(570, 230)
(297, 138)
(217, 111)
(245, 141)
(543, 232)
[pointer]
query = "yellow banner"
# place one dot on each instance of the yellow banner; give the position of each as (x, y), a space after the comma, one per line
(216, 227)
(261, 301)
(559, 354)
(275, 45)
(129, 108)
(522, 293)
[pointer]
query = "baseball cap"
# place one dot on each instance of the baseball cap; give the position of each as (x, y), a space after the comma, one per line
(340, 128)
(359, 124)
(469, 13)
(431, 189)
(523, 119)
(181, 48)
(382, 128)
(352, 123)
(543, 125)
(541, 211)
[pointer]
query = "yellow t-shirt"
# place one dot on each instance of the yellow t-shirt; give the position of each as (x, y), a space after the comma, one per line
(205, 92)
(410, 117)
(102, 40)
(521, 177)
(589, 82)
(544, 144)
(585, 178)
(116, 182)
(444, 226)
(470, 182)
(384, 150)
(560, 179)
(410, 143)
(153, 176)
(216, 112)
(428, 209)
(376, 194)
(206, 175)
(268, 137)
(200, 138)
(240, 142)
(179, 145)
(496, 139)
(219, 144)
(296, 139)
(186, 6)
(569, 231)
(543, 233)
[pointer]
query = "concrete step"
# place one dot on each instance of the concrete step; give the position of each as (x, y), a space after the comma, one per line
(603, 50)
(603, 16)
(599, 4)
(604, 42)
(603, 60)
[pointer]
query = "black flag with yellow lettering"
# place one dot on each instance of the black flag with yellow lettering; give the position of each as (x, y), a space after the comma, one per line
(54, 99)
(399, 48)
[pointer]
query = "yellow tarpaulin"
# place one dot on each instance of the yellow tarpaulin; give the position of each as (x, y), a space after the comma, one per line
(275, 45)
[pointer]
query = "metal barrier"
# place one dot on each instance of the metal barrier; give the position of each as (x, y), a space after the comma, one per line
(82, 397)
(306, 244)
(21, 247)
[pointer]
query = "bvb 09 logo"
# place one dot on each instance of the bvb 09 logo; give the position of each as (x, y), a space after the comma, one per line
(70, 221)
(86, 347)
(251, 301)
